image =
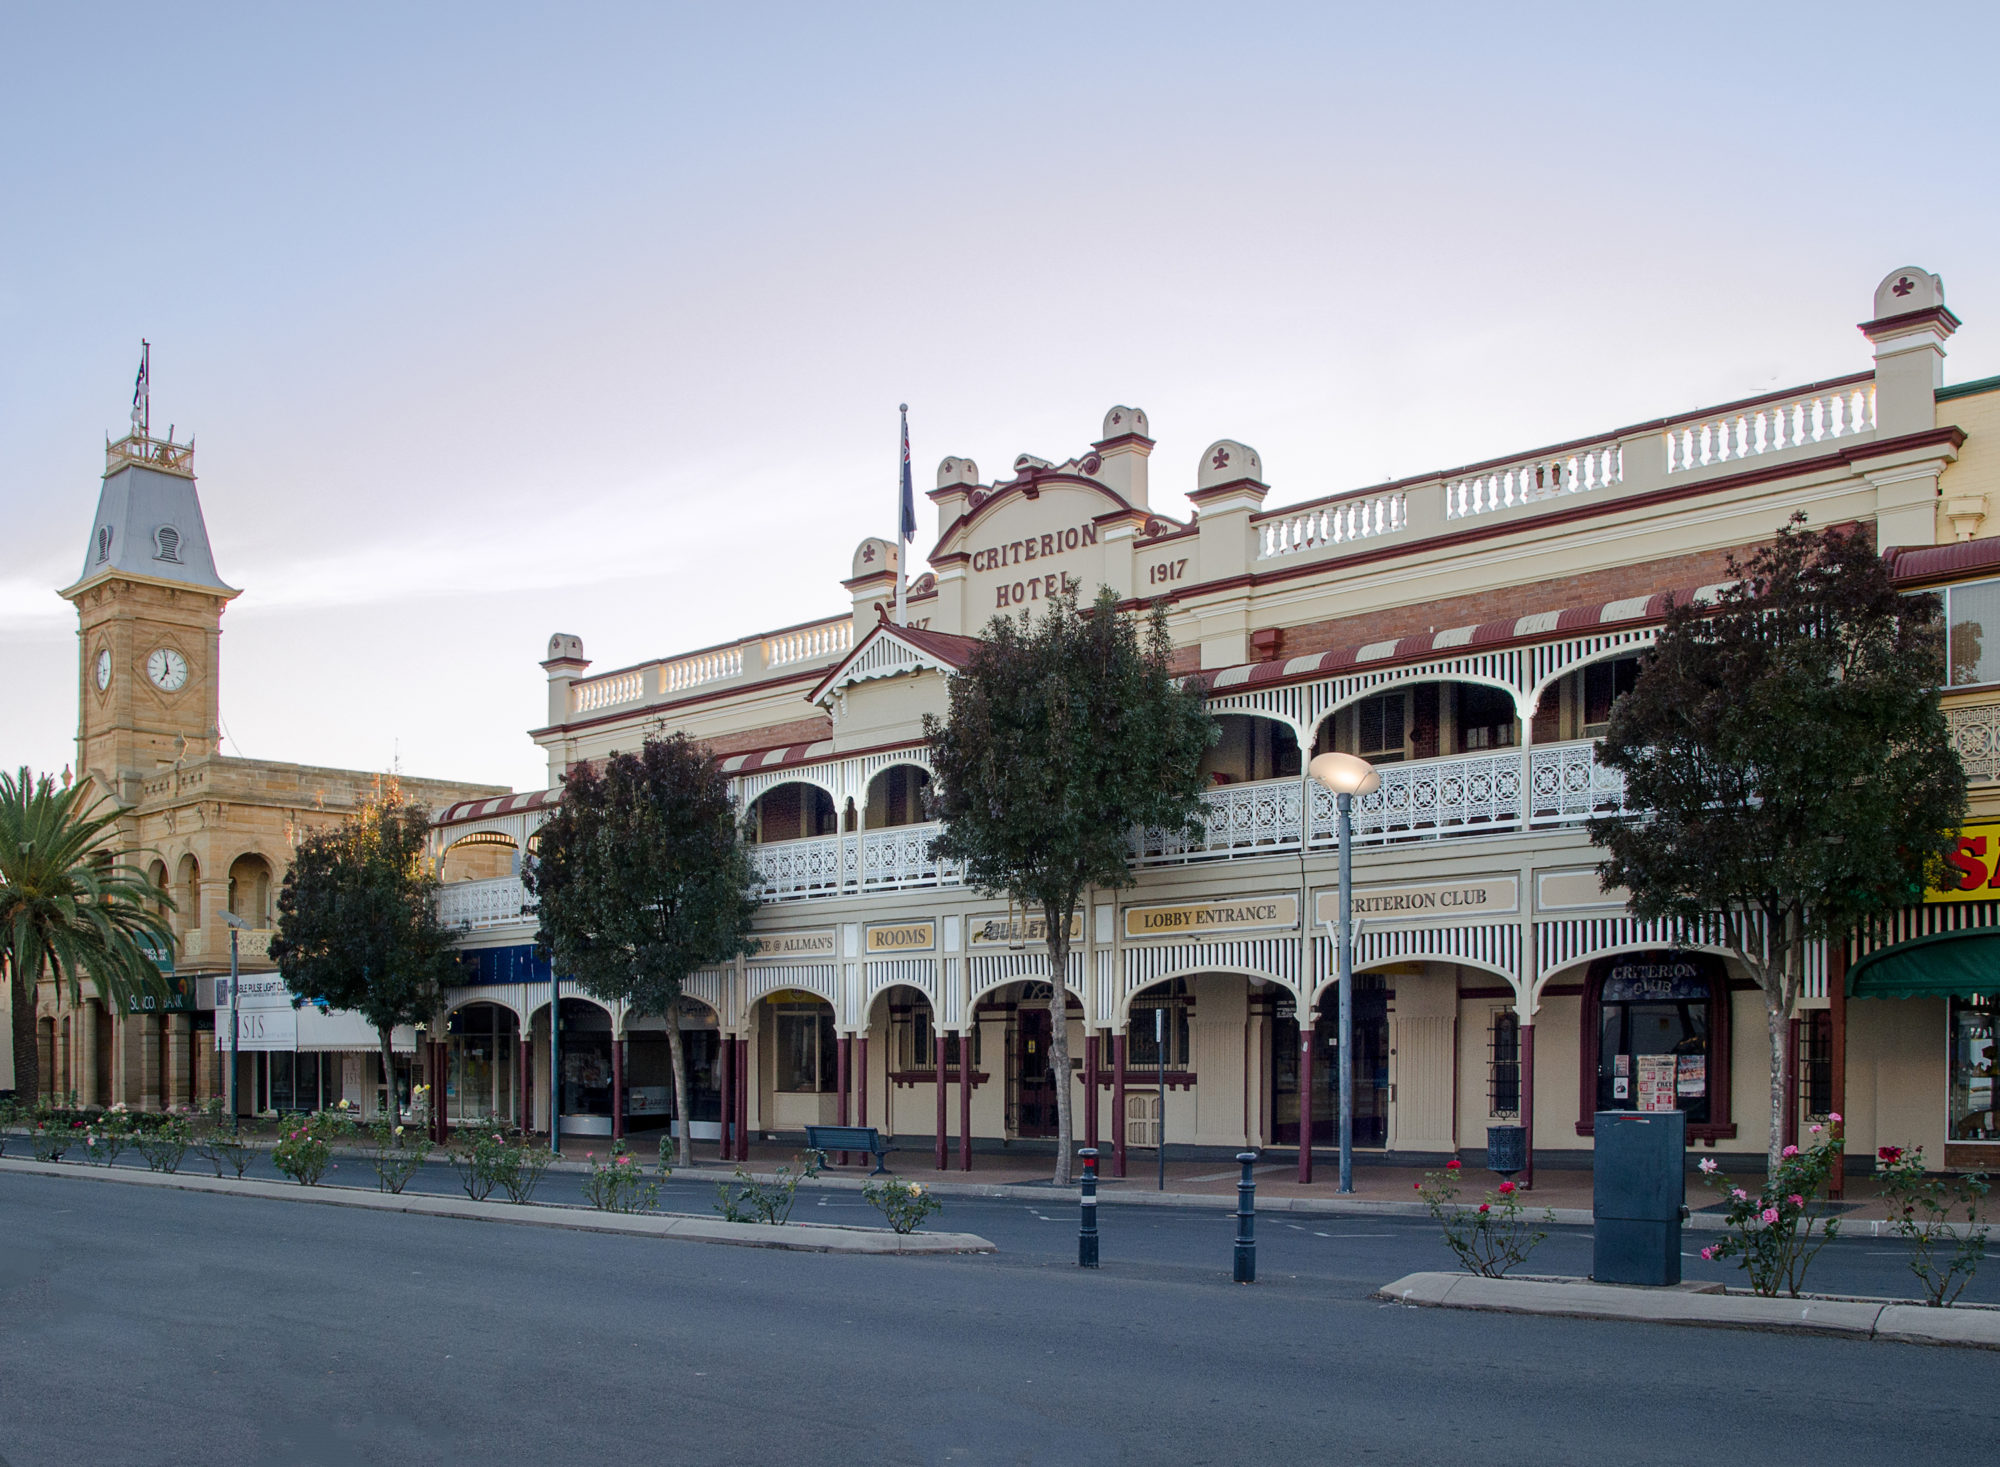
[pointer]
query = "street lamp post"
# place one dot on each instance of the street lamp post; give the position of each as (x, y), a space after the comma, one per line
(1347, 775)
(236, 925)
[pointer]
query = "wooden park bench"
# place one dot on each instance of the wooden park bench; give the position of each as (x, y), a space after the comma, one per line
(850, 1138)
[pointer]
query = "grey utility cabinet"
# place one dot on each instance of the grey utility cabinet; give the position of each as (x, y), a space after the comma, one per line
(1639, 1178)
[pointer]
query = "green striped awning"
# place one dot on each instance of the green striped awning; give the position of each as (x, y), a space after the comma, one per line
(1962, 963)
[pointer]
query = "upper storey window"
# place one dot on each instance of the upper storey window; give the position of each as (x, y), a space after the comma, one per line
(1972, 612)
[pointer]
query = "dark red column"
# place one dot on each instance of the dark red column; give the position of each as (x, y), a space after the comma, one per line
(965, 1102)
(1118, 1104)
(1836, 1001)
(1306, 1028)
(1528, 1103)
(742, 1099)
(1792, 1082)
(527, 1068)
(842, 1055)
(440, 1061)
(940, 1101)
(1090, 1091)
(618, 1089)
(726, 1142)
(861, 1083)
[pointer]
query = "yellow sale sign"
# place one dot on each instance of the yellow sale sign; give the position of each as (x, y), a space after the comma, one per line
(1974, 868)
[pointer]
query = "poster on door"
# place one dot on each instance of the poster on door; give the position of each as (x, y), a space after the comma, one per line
(1656, 1082)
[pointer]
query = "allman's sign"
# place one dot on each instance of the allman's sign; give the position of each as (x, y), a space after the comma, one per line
(790, 946)
(902, 937)
(1240, 914)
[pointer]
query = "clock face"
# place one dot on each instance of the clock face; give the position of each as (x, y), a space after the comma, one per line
(168, 670)
(104, 669)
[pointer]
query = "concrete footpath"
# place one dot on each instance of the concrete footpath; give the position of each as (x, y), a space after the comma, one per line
(1704, 1304)
(681, 1227)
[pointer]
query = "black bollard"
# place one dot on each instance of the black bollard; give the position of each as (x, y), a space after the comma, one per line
(1086, 1237)
(1246, 1222)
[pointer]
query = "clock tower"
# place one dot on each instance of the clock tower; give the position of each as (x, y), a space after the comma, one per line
(149, 607)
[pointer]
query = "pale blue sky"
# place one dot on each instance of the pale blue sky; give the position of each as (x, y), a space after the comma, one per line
(497, 320)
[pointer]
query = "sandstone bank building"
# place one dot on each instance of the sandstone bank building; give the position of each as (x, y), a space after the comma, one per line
(1467, 631)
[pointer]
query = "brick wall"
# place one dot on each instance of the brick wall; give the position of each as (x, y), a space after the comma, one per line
(772, 736)
(1671, 573)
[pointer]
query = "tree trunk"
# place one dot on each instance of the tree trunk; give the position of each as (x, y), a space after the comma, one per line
(1059, 1039)
(1777, 1019)
(27, 1052)
(389, 1107)
(683, 1111)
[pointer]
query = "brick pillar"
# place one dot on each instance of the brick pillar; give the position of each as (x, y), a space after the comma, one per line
(83, 1035)
(147, 1035)
(180, 1057)
(1424, 723)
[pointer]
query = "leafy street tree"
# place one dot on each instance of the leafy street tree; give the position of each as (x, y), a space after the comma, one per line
(1061, 738)
(642, 880)
(358, 926)
(69, 910)
(1787, 751)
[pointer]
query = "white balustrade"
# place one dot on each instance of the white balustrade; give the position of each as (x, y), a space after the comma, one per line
(901, 857)
(494, 903)
(1565, 782)
(1534, 480)
(606, 692)
(1975, 734)
(699, 668)
(789, 869)
(1363, 517)
(1262, 816)
(809, 644)
(1429, 797)
(1770, 427)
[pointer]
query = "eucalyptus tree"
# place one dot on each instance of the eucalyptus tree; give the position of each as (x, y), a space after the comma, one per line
(642, 880)
(1789, 763)
(70, 909)
(1063, 737)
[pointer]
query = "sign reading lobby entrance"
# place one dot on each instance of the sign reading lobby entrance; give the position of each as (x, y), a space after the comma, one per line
(1193, 918)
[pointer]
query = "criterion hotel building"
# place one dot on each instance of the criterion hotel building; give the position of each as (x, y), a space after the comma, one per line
(1466, 630)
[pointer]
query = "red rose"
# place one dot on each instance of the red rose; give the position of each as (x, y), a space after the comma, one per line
(1484, 1207)
(1889, 1155)
(1418, 1185)
(1452, 1165)
(1505, 1188)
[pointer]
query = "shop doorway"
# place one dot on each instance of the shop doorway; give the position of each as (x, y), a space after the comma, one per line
(1034, 1090)
(1371, 1069)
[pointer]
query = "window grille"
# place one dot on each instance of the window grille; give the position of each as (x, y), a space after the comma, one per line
(1815, 1064)
(168, 539)
(1503, 1068)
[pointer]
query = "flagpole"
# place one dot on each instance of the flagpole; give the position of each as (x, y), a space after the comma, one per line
(902, 543)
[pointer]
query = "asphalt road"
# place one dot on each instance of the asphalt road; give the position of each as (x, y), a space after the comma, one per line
(150, 1327)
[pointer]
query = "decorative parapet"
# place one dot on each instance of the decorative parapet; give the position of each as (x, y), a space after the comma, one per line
(151, 453)
(1975, 735)
(818, 643)
(824, 641)
(1767, 428)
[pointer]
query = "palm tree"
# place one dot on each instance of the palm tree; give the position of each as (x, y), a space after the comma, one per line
(68, 910)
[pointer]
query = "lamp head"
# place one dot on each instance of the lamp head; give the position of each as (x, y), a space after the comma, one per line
(235, 921)
(1345, 774)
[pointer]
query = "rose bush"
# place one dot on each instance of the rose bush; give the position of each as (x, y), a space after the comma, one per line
(1488, 1239)
(1920, 1211)
(1775, 1234)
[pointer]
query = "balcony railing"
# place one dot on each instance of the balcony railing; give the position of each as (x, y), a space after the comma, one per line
(1554, 784)
(475, 904)
(1975, 734)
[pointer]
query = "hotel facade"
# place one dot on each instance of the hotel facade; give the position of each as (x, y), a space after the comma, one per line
(1467, 631)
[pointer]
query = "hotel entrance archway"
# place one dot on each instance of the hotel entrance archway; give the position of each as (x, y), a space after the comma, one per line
(1371, 1068)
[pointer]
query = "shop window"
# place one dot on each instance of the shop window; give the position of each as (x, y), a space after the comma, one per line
(1485, 717)
(916, 1041)
(1815, 1064)
(288, 1082)
(1604, 683)
(1159, 1017)
(1503, 1064)
(1975, 1078)
(1974, 651)
(1655, 1037)
(805, 1044)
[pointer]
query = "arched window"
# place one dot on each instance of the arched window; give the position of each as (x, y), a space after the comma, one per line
(1503, 1068)
(1656, 1037)
(187, 894)
(250, 889)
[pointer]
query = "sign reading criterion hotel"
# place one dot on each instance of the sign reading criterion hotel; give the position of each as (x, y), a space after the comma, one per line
(1481, 896)
(902, 937)
(1238, 914)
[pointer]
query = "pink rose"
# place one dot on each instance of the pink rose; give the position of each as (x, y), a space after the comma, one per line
(1708, 1166)
(1789, 1151)
(1708, 1255)
(1739, 1194)
(1796, 1200)
(1835, 1118)
(1771, 1216)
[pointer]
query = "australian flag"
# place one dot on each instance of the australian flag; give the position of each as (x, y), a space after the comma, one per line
(908, 528)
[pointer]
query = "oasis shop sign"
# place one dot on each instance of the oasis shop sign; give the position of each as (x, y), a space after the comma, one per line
(1239, 914)
(781, 947)
(1972, 872)
(1481, 896)
(902, 937)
